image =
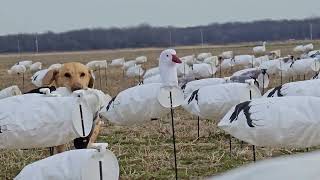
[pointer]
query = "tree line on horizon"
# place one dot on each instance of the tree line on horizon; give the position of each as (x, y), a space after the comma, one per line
(145, 35)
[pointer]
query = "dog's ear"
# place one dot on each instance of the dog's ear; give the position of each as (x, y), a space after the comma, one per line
(49, 77)
(92, 78)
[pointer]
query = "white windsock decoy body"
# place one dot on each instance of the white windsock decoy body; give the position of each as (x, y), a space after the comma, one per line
(213, 102)
(35, 67)
(243, 60)
(117, 62)
(203, 70)
(151, 72)
(55, 66)
(259, 60)
(26, 63)
(10, 91)
(141, 59)
(282, 122)
(17, 69)
(314, 54)
(251, 73)
(128, 64)
(46, 120)
(183, 69)
(85, 164)
(304, 66)
(213, 60)
(203, 56)
(191, 86)
(227, 63)
(272, 66)
(299, 88)
(293, 167)
(299, 48)
(96, 65)
(227, 54)
(275, 54)
(189, 60)
(260, 49)
(140, 103)
(134, 71)
(37, 77)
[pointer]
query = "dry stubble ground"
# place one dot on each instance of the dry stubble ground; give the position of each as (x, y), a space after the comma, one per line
(146, 151)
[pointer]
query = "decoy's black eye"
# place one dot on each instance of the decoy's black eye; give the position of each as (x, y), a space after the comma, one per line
(68, 75)
(167, 55)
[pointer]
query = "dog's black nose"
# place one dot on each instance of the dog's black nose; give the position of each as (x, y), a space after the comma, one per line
(75, 88)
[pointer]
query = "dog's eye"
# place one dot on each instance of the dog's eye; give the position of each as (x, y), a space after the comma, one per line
(82, 75)
(68, 75)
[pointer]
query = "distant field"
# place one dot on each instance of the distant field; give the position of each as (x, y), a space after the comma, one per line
(146, 152)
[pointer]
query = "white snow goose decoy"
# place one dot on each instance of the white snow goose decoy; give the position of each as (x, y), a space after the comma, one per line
(96, 163)
(281, 122)
(213, 102)
(299, 88)
(140, 103)
(293, 167)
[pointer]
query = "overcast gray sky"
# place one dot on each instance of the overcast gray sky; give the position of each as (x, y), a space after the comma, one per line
(18, 16)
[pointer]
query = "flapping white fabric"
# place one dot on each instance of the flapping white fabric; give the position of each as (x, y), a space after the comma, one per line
(203, 56)
(227, 63)
(95, 65)
(134, 71)
(35, 120)
(129, 106)
(275, 122)
(55, 66)
(299, 88)
(259, 60)
(117, 62)
(203, 70)
(189, 60)
(183, 69)
(9, 91)
(36, 66)
(243, 60)
(314, 54)
(197, 84)
(251, 73)
(82, 164)
(37, 77)
(227, 54)
(213, 102)
(272, 66)
(128, 64)
(26, 63)
(308, 47)
(304, 66)
(151, 72)
(212, 60)
(17, 69)
(141, 59)
(286, 69)
(299, 48)
(293, 167)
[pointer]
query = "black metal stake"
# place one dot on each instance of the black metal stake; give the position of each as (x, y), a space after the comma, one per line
(254, 153)
(230, 145)
(100, 170)
(220, 69)
(173, 138)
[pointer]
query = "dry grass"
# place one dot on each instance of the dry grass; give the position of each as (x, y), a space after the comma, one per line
(146, 152)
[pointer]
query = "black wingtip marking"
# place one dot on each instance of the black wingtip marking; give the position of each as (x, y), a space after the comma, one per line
(194, 95)
(276, 89)
(110, 102)
(245, 107)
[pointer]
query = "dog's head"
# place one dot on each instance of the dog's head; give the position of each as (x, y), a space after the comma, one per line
(73, 76)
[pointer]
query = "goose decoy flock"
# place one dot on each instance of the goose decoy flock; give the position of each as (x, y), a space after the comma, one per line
(260, 98)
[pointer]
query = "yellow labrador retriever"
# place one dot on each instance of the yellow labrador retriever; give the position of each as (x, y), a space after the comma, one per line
(74, 76)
